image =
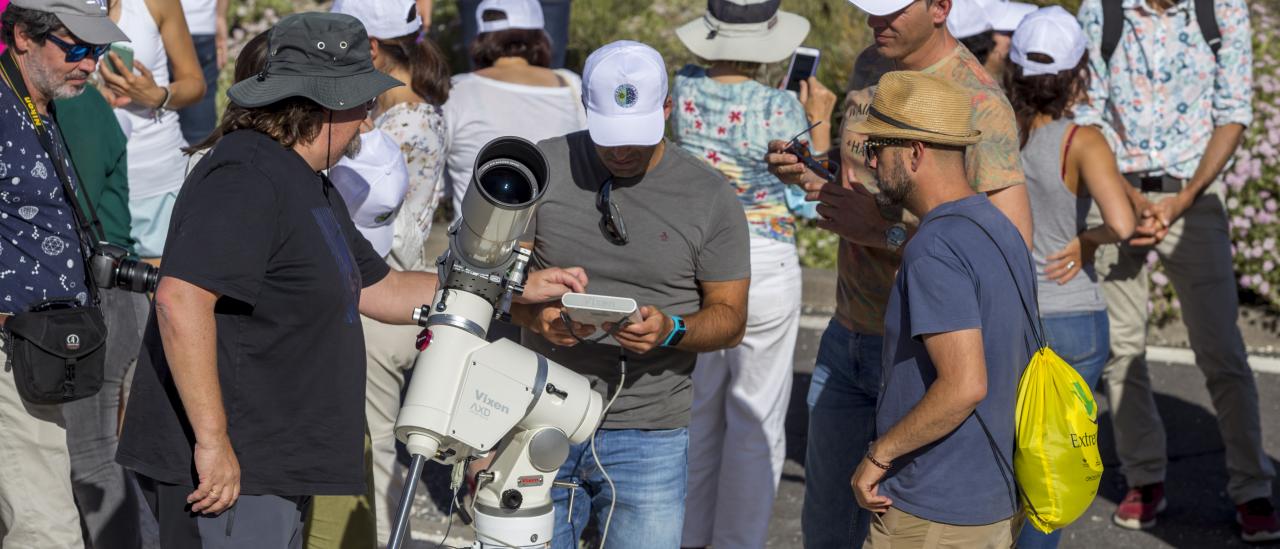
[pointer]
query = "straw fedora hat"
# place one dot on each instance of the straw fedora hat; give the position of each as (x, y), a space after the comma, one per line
(755, 31)
(920, 107)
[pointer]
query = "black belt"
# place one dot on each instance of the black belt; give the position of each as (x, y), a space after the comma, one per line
(1155, 183)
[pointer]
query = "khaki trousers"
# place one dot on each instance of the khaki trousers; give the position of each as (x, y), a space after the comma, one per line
(1196, 255)
(37, 508)
(898, 529)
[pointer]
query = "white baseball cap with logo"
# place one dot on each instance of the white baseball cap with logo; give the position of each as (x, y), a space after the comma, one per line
(624, 87)
(969, 17)
(1050, 31)
(373, 185)
(383, 19)
(521, 14)
(1005, 16)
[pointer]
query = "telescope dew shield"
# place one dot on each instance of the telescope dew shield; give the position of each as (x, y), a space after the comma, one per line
(510, 176)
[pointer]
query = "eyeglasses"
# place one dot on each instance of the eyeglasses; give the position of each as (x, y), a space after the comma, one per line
(611, 222)
(370, 105)
(872, 147)
(825, 168)
(76, 52)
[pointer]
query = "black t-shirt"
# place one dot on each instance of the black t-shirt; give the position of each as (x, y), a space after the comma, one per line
(257, 226)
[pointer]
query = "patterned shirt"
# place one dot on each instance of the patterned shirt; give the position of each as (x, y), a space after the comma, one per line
(866, 274)
(40, 254)
(1163, 94)
(729, 126)
(419, 129)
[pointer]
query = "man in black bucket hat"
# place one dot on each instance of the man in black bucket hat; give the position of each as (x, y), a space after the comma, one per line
(249, 394)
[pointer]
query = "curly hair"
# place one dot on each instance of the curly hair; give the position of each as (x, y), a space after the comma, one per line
(1050, 94)
(37, 24)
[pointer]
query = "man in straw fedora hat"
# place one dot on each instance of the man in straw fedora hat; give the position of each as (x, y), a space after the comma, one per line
(741, 394)
(956, 336)
(249, 393)
(909, 35)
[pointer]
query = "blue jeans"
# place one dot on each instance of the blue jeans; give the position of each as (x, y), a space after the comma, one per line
(198, 119)
(842, 413)
(648, 469)
(1084, 341)
(555, 16)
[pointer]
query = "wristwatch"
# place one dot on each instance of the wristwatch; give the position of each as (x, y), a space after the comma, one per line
(677, 332)
(895, 236)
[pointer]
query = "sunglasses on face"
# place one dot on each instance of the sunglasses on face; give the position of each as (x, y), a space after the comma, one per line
(611, 222)
(76, 51)
(872, 148)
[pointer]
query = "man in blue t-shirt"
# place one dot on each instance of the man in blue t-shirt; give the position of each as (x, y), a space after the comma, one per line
(957, 334)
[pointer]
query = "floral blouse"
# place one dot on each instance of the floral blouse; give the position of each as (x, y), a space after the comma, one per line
(1164, 93)
(419, 129)
(729, 126)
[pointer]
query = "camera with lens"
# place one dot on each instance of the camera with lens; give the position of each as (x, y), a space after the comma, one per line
(111, 267)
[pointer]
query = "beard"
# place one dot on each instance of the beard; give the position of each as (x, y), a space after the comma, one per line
(54, 85)
(352, 150)
(894, 182)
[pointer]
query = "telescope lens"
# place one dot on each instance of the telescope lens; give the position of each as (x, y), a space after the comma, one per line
(508, 183)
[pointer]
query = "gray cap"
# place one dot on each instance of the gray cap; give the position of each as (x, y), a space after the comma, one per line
(86, 19)
(323, 57)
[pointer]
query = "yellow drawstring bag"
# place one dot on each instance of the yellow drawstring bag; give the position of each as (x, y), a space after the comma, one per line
(1056, 461)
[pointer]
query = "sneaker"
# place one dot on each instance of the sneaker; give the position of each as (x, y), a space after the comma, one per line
(1140, 506)
(1258, 521)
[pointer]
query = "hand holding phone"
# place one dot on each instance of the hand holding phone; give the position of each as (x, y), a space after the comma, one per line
(124, 52)
(804, 63)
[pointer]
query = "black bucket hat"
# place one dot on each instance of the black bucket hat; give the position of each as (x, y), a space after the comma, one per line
(323, 57)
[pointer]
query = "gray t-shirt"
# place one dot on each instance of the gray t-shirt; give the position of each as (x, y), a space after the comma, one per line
(684, 226)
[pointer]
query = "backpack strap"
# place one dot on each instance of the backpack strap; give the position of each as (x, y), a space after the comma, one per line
(1208, 21)
(1034, 320)
(1112, 27)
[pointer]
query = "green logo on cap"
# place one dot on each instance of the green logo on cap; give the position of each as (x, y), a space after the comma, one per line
(625, 96)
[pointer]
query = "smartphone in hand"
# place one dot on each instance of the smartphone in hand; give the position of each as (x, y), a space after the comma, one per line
(125, 53)
(804, 63)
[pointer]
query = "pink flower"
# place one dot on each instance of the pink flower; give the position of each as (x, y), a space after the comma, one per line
(714, 157)
(1159, 279)
(1152, 257)
(1271, 205)
(1264, 288)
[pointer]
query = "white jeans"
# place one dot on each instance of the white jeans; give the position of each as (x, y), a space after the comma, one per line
(737, 441)
(36, 505)
(390, 351)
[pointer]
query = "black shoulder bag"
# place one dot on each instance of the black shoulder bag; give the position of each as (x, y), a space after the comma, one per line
(58, 347)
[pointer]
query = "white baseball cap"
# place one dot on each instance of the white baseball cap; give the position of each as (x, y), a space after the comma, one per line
(881, 7)
(969, 17)
(1051, 31)
(521, 14)
(1005, 16)
(624, 86)
(373, 185)
(382, 19)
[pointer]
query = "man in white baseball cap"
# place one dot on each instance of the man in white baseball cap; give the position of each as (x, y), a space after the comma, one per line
(653, 223)
(909, 35)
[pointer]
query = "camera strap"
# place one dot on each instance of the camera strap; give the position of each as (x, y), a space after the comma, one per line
(88, 228)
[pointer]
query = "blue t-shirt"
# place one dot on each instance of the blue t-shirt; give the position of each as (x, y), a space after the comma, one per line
(954, 278)
(40, 255)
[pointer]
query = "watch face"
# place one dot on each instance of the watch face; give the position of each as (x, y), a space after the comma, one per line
(896, 235)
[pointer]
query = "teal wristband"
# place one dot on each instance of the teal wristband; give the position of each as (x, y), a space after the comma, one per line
(677, 332)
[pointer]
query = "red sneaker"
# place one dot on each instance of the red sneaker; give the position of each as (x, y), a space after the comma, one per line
(1140, 506)
(1258, 521)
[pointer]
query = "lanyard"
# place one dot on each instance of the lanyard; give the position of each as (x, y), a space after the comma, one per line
(89, 231)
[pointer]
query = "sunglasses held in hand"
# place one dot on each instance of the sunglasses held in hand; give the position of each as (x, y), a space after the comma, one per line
(825, 168)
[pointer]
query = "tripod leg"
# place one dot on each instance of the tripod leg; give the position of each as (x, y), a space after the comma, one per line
(400, 528)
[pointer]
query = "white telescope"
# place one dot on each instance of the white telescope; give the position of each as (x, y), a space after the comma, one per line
(469, 396)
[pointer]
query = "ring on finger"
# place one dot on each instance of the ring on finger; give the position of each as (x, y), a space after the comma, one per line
(1071, 264)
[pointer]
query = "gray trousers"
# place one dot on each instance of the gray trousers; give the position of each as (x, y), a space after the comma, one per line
(108, 506)
(255, 521)
(1196, 254)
